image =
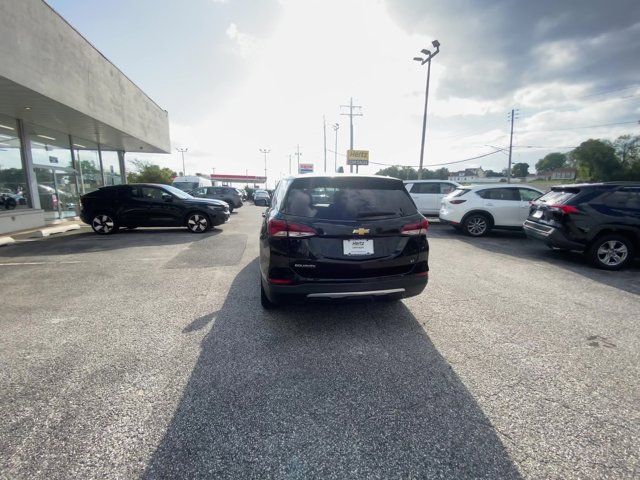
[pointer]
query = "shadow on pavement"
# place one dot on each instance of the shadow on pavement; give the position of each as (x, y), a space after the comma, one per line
(323, 391)
(90, 242)
(515, 243)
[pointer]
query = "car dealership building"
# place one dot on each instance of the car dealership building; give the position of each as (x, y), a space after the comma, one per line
(67, 117)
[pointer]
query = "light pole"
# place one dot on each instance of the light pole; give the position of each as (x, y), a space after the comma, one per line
(335, 127)
(265, 151)
(428, 56)
(182, 150)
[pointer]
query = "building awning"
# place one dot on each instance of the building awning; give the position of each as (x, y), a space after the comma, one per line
(20, 102)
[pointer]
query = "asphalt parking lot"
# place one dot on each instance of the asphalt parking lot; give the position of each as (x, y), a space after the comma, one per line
(147, 354)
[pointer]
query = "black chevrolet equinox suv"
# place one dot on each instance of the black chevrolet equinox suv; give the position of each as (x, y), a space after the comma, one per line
(149, 205)
(600, 219)
(342, 237)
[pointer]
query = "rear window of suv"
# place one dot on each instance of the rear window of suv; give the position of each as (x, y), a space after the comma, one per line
(348, 198)
(557, 197)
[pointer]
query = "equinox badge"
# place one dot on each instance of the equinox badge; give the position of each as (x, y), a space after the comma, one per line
(361, 231)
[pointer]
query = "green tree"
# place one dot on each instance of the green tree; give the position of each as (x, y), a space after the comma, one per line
(628, 148)
(146, 172)
(596, 160)
(551, 161)
(520, 170)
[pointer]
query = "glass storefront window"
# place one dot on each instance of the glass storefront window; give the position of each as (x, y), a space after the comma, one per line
(13, 182)
(111, 166)
(55, 175)
(49, 147)
(88, 165)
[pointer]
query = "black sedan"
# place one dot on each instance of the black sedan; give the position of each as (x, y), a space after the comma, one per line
(149, 205)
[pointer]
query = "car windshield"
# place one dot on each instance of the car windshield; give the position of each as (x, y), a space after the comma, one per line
(177, 192)
(185, 186)
(348, 198)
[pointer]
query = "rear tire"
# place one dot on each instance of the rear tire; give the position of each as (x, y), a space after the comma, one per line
(611, 252)
(477, 225)
(264, 300)
(104, 224)
(198, 222)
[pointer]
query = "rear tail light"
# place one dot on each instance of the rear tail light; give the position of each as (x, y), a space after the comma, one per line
(457, 201)
(419, 228)
(565, 208)
(281, 281)
(280, 228)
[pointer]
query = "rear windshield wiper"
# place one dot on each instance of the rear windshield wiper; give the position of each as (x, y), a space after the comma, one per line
(375, 214)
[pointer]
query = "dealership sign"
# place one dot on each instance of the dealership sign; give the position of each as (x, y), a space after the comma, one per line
(357, 157)
(305, 168)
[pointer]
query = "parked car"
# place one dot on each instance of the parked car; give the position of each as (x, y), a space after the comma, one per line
(149, 205)
(368, 241)
(10, 200)
(191, 182)
(229, 195)
(479, 208)
(261, 197)
(602, 220)
(242, 193)
(428, 194)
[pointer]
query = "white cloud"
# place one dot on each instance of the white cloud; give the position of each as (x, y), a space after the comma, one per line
(321, 52)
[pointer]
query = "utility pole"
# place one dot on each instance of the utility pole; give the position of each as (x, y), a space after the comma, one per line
(289, 164)
(324, 130)
(182, 150)
(512, 115)
(265, 151)
(428, 56)
(297, 154)
(336, 126)
(351, 106)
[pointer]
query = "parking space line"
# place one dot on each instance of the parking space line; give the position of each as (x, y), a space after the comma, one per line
(14, 264)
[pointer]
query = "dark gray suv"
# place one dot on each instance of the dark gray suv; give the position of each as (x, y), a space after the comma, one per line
(226, 194)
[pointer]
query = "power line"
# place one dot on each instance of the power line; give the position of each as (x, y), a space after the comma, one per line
(607, 91)
(581, 127)
(437, 164)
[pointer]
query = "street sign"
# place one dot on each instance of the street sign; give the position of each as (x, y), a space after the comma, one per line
(305, 168)
(357, 157)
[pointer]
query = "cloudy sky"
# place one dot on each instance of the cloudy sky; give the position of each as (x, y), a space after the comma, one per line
(240, 75)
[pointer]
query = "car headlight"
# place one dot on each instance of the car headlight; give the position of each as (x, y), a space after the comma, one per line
(217, 208)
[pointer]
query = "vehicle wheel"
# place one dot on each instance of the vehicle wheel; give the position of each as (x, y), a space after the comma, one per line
(198, 223)
(104, 224)
(477, 225)
(230, 208)
(611, 252)
(264, 300)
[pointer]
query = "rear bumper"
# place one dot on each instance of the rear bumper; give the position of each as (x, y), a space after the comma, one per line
(393, 288)
(550, 235)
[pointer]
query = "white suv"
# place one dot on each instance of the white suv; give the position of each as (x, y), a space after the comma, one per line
(479, 208)
(427, 194)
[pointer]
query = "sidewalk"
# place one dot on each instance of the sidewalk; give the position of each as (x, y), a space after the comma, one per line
(47, 230)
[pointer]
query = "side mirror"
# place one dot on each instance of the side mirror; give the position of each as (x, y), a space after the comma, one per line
(167, 198)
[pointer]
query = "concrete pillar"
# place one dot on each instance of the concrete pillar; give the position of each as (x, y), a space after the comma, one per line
(123, 168)
(27, 165)
(101, 167)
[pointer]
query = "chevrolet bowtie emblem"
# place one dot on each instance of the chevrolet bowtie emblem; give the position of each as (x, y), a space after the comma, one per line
(361, 231)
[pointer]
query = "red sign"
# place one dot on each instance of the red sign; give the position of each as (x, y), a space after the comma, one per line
(237, 178)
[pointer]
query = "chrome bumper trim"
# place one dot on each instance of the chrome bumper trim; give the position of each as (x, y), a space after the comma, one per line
(375, 293)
